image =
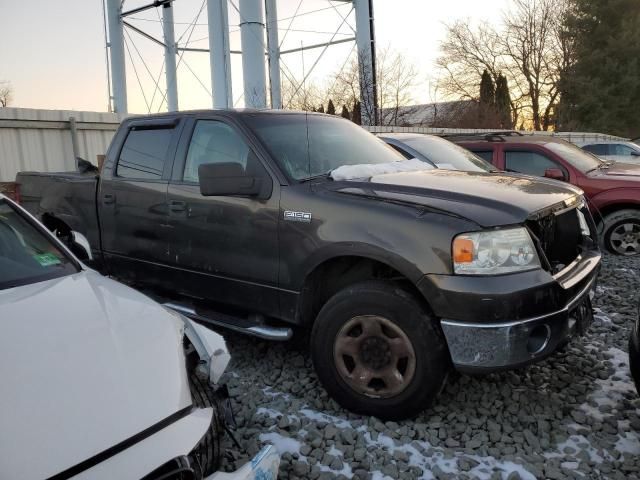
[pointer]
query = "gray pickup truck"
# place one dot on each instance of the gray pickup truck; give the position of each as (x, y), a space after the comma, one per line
(237, 218)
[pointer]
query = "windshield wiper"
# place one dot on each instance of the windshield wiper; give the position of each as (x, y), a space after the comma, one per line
(316, 177)
(602, 166)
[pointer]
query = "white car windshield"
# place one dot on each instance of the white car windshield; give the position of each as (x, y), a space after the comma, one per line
(26, 254)
(447, 155)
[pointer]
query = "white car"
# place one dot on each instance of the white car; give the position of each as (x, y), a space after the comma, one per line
(624, 152)
(99, 381)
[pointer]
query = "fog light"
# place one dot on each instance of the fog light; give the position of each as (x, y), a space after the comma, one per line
(538, 339)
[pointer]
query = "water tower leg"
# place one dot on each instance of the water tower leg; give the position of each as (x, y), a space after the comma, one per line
(365, 42)
(253, 61)
(170, 57)
(219, 55)
(116, 49)
(273, 52)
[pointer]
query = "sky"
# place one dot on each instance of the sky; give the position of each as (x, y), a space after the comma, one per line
(53, 53)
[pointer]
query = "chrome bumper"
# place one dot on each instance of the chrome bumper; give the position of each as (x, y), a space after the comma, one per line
(496, 346)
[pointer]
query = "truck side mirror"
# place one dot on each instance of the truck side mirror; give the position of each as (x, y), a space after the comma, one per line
(227, 179)
(635, 154)
(554, 173)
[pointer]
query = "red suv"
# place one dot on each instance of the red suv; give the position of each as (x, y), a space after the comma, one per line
(613, 189)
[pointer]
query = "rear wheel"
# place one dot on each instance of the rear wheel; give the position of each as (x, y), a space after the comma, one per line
(378, 352)
(622, 232)
(207, 453)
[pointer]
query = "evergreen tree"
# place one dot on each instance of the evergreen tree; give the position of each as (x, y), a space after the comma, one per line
(321, 109)
(345, 113)
(503, 102)
(487, 90)
(486, 106)
(601, 90)
(331, 109)
(356, 114)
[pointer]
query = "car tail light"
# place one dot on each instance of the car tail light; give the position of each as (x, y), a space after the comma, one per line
(16, 193)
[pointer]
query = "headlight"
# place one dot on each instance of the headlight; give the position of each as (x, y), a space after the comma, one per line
(494, 252)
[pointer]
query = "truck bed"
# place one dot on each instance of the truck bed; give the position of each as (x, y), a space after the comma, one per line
(67, 196)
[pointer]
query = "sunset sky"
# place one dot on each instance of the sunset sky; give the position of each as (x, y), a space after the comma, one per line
(53, 53)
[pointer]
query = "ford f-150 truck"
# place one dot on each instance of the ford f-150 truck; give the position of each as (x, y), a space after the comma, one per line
(238, 218)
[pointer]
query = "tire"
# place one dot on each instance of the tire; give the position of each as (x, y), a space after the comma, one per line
(398, 313)
(621, 233)
(207, 453)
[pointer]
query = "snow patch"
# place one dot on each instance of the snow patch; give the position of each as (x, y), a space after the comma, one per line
(365, 171)
(283, 444)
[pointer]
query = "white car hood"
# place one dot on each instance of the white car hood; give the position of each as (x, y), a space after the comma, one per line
(85, 363)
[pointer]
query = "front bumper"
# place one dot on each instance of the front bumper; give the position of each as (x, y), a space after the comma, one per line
(494, 323)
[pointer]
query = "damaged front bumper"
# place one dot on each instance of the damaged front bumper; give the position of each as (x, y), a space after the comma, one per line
(494, 323)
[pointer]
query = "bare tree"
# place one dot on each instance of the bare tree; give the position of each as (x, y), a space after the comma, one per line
(6, 94)
(307, 97)
(530, 50)
(395, 79)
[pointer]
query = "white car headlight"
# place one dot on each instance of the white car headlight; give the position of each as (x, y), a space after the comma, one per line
(494, 252)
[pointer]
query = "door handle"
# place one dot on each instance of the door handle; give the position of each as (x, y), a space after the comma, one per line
(108, 199)
(177, 206)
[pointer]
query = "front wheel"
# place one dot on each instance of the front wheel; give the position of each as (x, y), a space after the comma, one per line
(622, 232)
(378, 352)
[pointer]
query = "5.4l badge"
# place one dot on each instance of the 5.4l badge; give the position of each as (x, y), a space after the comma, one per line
(303, 217)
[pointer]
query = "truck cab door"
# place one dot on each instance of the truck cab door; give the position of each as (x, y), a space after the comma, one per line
(223, 248)
(132, 202)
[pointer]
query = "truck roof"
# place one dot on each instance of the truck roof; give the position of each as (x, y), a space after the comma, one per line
(232, 112)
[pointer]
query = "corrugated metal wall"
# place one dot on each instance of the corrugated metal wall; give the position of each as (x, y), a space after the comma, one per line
(40, 140)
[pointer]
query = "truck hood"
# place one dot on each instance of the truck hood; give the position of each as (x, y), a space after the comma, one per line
(85, 363)
(624, 172)
(488, 199)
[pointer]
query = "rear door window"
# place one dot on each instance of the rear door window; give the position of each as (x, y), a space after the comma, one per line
(529, 163)
(144, 154)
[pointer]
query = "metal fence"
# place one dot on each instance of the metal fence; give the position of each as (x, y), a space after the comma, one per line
(574, 137)
(49, 140)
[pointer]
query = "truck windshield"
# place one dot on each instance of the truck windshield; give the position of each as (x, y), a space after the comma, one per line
(307, 146)
(447, 155)
(26, 255)
(579, 158)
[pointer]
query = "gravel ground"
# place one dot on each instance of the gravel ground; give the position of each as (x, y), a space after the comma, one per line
(575, 415)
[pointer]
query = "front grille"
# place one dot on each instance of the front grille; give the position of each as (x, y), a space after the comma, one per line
(560, 238)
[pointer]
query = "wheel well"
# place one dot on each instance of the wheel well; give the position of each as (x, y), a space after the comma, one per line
(337, 273)
(609, 209)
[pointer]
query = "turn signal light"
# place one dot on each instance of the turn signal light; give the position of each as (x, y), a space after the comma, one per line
(463, 250)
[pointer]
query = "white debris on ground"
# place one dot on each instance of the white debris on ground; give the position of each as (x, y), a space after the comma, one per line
(575, 415)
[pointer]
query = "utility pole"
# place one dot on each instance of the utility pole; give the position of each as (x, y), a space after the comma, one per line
(116, 47)
(170, 56)
(253, 68)
(219, 54)
(365, 42)
(273, 52)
